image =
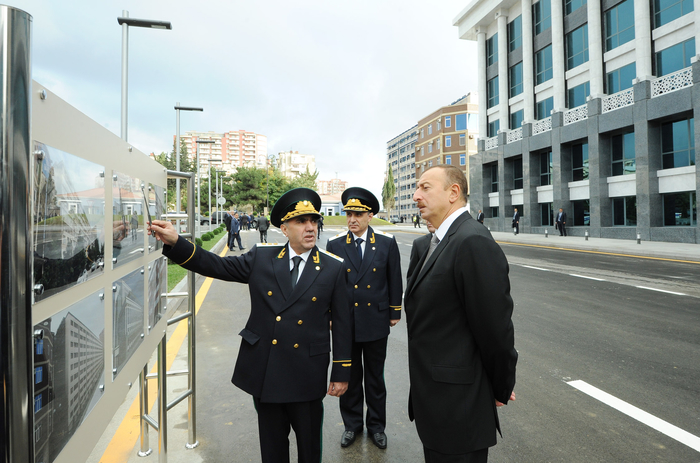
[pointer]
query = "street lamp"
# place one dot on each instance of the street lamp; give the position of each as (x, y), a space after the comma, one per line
(125, 21)
(267, 183)
(199, 175)
(219, 192)
(179, 108)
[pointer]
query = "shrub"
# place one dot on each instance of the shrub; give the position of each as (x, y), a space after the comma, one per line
(198, 241)
(206, 237)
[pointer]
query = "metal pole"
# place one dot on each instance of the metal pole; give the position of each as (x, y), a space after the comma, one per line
(125, 77)
(17, 404)
(192, 441)
(143, 411)
(209, 183)
(198, 208)
(162, 402)
(177, 162)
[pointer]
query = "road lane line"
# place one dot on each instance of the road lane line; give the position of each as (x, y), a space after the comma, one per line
(638, 414)
(537, 268)
(584, 276)
(661, 290)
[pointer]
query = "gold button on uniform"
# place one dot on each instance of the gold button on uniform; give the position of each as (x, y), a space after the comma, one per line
(369, 304)
(300, 322)
(296, 346)
(355, 286)
(356, 304)
(278, 318)
(348, 270)
(269, 293)
(274, 341)
(313, 298)
(374, 269)
(368, 286)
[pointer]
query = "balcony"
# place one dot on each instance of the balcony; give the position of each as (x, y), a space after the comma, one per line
(579, 113)
(542, 126)
(672, 82)
(491, 143)
(514, 135)
(618, 100)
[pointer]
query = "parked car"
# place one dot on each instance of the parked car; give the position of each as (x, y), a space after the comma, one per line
(202, 219)
(218, 217)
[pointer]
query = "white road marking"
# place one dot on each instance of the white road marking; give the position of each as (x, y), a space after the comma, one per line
(650, 420)
(660, 290)
(537, 268)
(583, 276)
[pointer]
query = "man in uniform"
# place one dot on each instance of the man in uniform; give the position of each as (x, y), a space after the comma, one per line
(296, 290)
(375, 289)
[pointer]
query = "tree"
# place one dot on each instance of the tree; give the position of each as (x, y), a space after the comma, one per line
(388, 192)
(169, 161)
(305, 180)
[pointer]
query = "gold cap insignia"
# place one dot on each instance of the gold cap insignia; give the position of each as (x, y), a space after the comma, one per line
(302, 208)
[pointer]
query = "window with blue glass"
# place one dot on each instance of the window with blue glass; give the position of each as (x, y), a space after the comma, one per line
(38, 374)
(493, 128)
(448, 141)
(38, 403)
(494, 177)
(577, 47)
(492, 50)
(430, 129)
(579, 161)
(543, 109)
(576, 96)
(448, 121)
(674, 58)
(547, 214)
(546, 168)
(623, 159)
(515, 78)
(666, 11)
(619, 24)
(680, 209)
(39, 347)
(572, 5)
(542, 15)
(515, 33)
(543, 65)
(448, 159)
(516, 119)
(621, 79)
(624, 211)
(462, 139)
(518, 174)
(492, 92)
(461, 122)
(462, 159)
(678, 144)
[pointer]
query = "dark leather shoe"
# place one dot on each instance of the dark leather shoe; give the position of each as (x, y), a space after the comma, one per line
(379, 439)
(242, 249)
(347, 439)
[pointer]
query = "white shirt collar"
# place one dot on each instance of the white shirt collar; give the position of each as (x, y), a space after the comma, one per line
(442, 230)
(304, 256)
(363, 237)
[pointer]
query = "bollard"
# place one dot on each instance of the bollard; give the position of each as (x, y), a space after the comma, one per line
(586, 235)
(639, 238)
(546, 233)
(489, 228)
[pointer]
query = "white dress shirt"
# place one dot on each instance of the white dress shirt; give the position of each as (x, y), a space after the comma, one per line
(302, 264)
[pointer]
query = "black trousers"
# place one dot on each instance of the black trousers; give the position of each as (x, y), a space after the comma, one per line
(274, 422)
(367, 363)
(562, 228)
(478, 456)
(263, 236)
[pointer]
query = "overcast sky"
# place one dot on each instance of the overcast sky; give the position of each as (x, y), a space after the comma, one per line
(333, 79)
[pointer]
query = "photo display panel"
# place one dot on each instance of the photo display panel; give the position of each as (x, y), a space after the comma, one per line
(128, 313)
(157, 285)
(128, 209)
(156, 207)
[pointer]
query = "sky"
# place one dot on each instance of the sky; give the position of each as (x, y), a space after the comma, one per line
(333, 79)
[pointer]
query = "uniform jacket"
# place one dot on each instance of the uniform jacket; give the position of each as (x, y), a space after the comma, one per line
(460, 339)
(263, 223)
(227, 221)
(286, 345)
(375, 286)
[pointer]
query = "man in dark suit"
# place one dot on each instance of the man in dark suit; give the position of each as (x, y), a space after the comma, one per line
(561, 222)
(228, 218)
(480, 217)
(375, 288)
(235, 233)
(263, 225)
(516, 221)
(296, 290)
(460, 334)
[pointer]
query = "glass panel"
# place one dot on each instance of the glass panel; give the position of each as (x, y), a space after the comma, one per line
(631, 211)
(675, 58)
(577, 95)
(573, 5)
(127, 310)
(492, 91)
(542, 16)
(156, 207)
(461, 122)
(515, 34)
(543, 65)
(73, 364)
(492, 50)
(516, 80)
(516, 119)
(666, 11)
(680, 209)
(619, 25)
(157, 285)
(582, 214)
(577, 47)
(128, 205)
(69, 218)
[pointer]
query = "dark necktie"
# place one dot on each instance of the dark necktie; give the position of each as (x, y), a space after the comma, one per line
(433, 244)
(295, 270)
(358, 242)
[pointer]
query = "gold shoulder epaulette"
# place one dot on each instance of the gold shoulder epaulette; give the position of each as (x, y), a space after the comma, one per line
(337, 236)
(269, 244)
(388, 235)
(338, 258)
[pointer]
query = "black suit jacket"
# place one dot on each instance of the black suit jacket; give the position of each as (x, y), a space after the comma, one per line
(286, 345)
(480, 217)
(418, 250)
(263, 223)
(563, 217)
(375, 286)
(460, 339)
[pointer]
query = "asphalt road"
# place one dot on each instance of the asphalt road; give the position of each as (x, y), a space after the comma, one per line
(581, 319)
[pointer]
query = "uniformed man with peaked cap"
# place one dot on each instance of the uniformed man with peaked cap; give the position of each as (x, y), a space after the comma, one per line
(375, 286)
(296, 290)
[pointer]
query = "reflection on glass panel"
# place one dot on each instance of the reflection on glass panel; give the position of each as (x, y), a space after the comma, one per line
(157, 285)
(127, 311)
(127, 209)
(156, 207)
(68, 220)
(69, 373)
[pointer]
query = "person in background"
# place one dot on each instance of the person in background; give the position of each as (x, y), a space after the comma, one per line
(516, 221)
(235, 233)
(320, 226)
(480, 217)
(561, 222)
(263, 225)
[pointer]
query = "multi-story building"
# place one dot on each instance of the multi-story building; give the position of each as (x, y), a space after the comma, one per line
(401, 159)
(589, 107)
(230, 150)
(292, 164)
(334, 186)
(448, 135)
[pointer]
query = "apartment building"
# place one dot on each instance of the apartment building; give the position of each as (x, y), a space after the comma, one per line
(230, 150)
(590, 107)
(292, 164)
(401, 159)
(334, 186)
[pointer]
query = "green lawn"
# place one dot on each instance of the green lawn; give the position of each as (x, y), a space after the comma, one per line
(177, 273)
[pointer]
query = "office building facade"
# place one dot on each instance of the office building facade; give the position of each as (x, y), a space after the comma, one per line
(401, 159)
(589, 106)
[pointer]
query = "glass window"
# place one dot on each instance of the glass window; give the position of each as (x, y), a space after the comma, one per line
(494, 212)
(448, 141)
(438, 142)
(430, 163)
(494, 178)
(572, 5)
(39, 349)
(516, 119)
(543, 65)
(515, 34)
(546, 169)
(577, 47)
(493, 128)
(422, 134)
(461, 122)
(37, 403)
(678, 144)
(621, 79)
(38, 374)
(462, 159)
(518, 174)
(680, 209)
(623, 161)
(430, 129)
(579, 161)
(492, 92)
(492, 50)
(547, 214)
(624, 211)
(577, 95)
(542, 15)
(448, 121)
(515, 78)
(543, 109)
(430, 147)
(448, 159)
(462, 139)
(666, 11)
(675, 58)
(439, 124)
(619, 24)
(582, 212)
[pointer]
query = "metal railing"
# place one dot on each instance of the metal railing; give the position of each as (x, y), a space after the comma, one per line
(161, 425)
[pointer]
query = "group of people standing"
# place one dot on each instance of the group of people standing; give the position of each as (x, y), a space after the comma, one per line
(235, 223)
(458, 310)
